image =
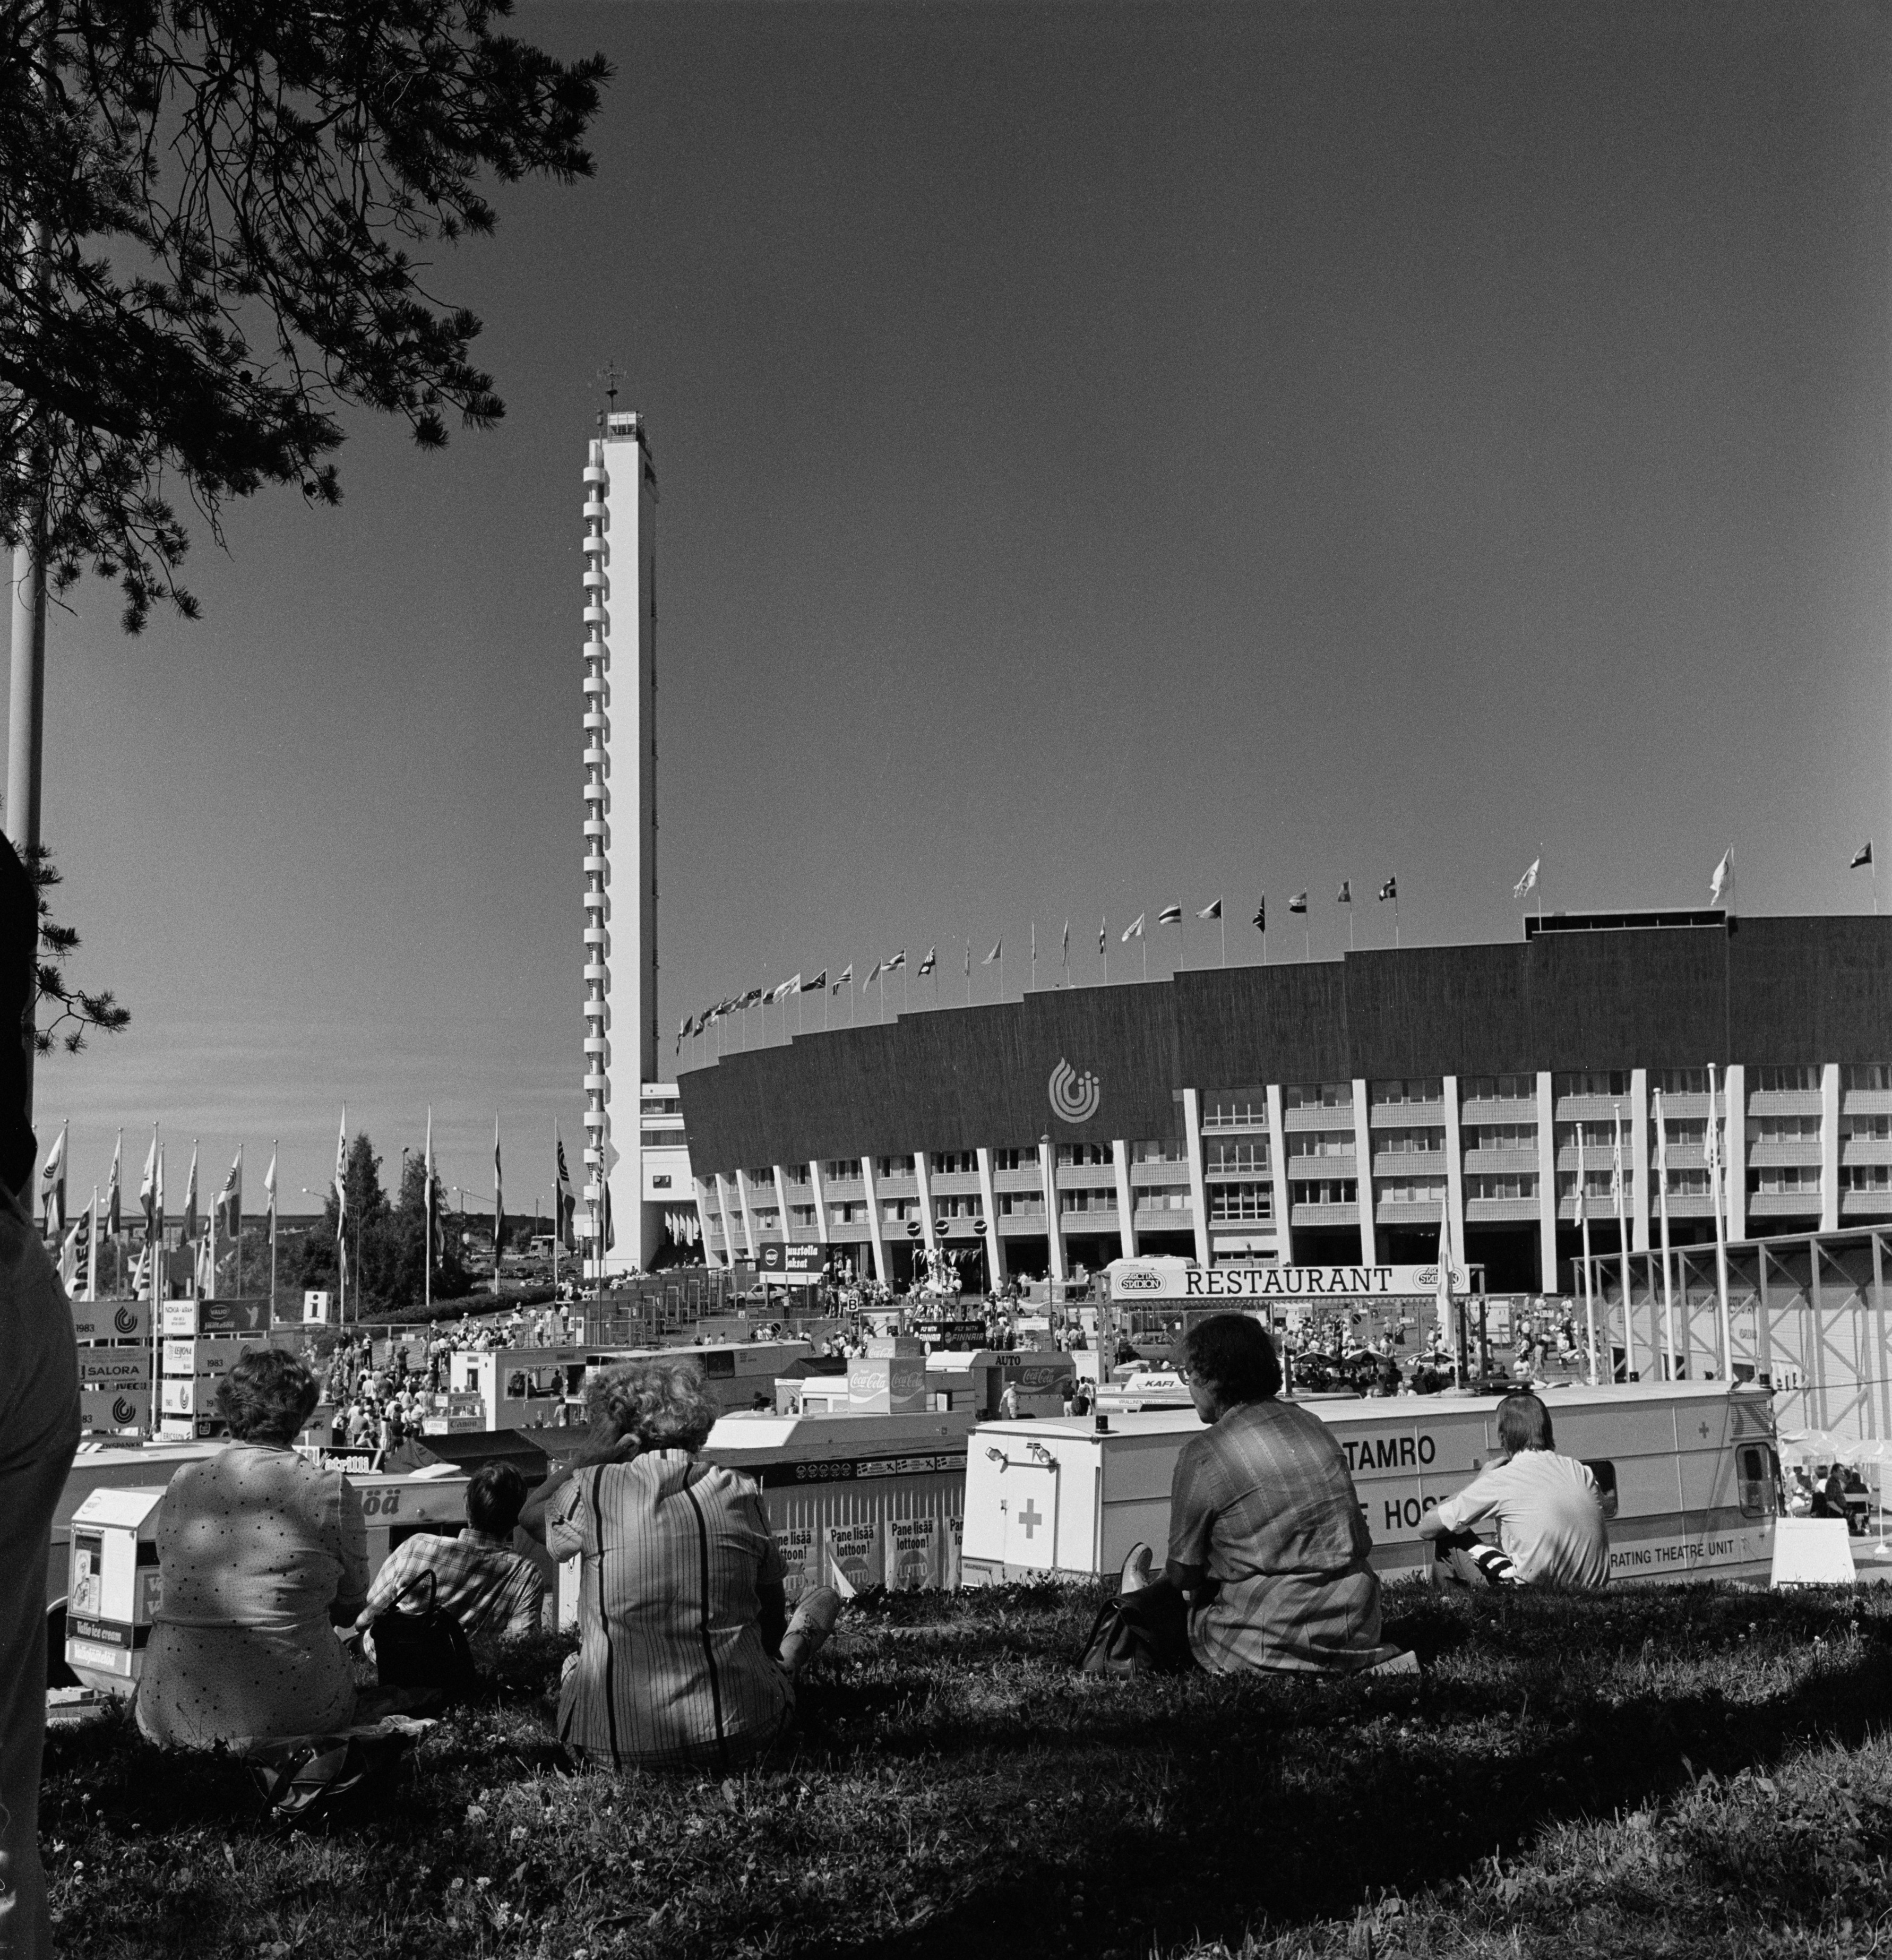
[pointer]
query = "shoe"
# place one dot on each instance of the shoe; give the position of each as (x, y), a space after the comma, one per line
(1135, 1575)
(808, 1631)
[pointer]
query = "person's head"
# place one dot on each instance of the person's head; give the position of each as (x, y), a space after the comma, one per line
(494, 1499)
(662, 1404)
(1229, 1360)
(267, 1397)
(1524, 1422)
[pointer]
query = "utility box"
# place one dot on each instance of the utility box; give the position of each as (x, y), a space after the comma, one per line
(112, 1587)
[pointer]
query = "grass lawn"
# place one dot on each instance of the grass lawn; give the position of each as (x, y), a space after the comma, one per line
(1686, 1770)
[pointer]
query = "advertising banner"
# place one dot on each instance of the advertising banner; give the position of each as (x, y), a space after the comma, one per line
(111, 1320)
(1132, 1280)
(115, 1368)
(856, 1555)
(793, 1262)
(796, 1544)
(915, 1554)
(114, 1408)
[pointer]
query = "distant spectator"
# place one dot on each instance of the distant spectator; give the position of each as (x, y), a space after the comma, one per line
(1544, 1511)
(490, 1588)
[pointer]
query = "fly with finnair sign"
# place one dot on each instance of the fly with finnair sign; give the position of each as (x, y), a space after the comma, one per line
(1131, 1281)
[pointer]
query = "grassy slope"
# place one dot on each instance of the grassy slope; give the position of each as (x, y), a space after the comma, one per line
(1674, 1771)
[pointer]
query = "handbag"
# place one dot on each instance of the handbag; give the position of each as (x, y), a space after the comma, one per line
(428, 1649)
(1121, 1645)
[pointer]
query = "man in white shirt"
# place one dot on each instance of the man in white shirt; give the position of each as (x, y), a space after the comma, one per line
(1544, 1512)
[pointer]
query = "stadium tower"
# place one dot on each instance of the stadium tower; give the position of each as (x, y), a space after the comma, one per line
(636, 1171)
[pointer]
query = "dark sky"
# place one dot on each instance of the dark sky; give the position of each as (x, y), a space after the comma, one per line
(1109, 456)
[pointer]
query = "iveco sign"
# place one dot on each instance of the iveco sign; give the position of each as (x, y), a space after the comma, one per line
(1130, 1281)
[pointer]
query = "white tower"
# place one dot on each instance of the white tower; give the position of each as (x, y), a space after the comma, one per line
(627, 1185)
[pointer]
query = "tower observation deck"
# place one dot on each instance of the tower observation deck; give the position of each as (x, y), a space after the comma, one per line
(636, 1184)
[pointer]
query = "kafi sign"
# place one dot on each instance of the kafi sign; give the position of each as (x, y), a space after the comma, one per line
(1130, 1281)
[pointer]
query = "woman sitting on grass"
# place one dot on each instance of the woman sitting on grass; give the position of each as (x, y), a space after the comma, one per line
(261, 1555)
(1267, 1565)
(686, 1656)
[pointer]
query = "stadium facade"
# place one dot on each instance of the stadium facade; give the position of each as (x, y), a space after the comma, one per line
(1326, 1112)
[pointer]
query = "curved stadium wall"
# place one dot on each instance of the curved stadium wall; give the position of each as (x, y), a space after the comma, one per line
(1327, 1112)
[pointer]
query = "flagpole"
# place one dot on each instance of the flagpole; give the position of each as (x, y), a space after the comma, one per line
(273, 1151)
(1143, 944)
(1589, 1278)
(1622, 1250)
(1721, 1237)
(1395, 918)
(1669, 1266)
(558, 1209)
(92, 1250)
(1034, 955)
(1224, 924)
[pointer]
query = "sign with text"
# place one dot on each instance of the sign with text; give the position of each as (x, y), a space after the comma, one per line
(793, 1261)
(1131, 1281)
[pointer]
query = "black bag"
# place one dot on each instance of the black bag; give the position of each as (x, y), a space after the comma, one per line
(301, 1780)
(1123, 1644)
(428, 1649)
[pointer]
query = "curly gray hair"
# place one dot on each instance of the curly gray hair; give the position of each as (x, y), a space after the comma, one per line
(663, 1404)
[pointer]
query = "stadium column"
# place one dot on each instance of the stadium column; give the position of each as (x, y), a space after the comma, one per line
(706, 1192)
(1054, 1217)
(994, 1245)
(872, 1193)
(781, 1202)
(1363, 1174)
(1198, 1185)
(1547, 1184)
(819, 1189)
(1828, 1145)
(1640, 1181)
(729, 1240)
(1278, 1167)
(1126, 1198)
(923, 1183)
(1736, 1100)
(748, 1217)
(1454, 1167)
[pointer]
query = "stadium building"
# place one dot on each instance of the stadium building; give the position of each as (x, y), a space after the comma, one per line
(1324, 1112)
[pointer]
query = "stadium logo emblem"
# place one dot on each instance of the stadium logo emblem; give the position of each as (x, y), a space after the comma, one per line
(124, 1411)
(1135, 1282)
(125, 1321)
(1074, 1097)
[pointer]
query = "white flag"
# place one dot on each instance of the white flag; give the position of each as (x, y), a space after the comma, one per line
(1529, 882)
(342, 1175)
(1577, 1218)
(1133, 930)
(269, 1181)
(53, 1185)
(1723, 872)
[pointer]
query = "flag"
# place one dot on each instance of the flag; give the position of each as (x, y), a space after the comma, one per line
(926, 966)
(1261, 915)
(776, 995)
(815, 985)
(1298, 903)
(1067, 943)
(1170, 916)
(682, 1029)
(1861, 856)
(269, 1175)
(873, 975)
(847, 977)
(567, 1200)
(229, 1200)
(1529, 882)
(70, 1264)
(190, 1196)
(1133, 930)
(1443, 1284)
(1390, 890)
(1577, 1217)
(342, 1176)
(749, 999)
(114, 1218)
(148, 1184)
(157, 1195)
(206, 1266)
(968, 959)
(1103, 934)
(1213, 911)
(1344, 896)
(499, 1203)
(53, 1185)
(897, 961)
(1615, 1165)
(141, 1272)
(1719, 883)
(998, 946)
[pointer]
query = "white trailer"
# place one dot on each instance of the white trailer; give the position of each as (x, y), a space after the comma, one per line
(1688, 1470)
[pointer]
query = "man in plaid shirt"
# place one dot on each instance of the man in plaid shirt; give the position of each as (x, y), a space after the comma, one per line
(478, 1577)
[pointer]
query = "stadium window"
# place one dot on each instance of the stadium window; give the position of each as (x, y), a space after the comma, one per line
(1408, 1089)
(1688, 1184)
(841, 1170)
(1071, 1155)
(1684, 1133)
(1498, 1088)
(1019, 1204)
(1318, 1096)
(1239, 1203)
(1322, 1144)
(1867, 1075)
(1776, 1081)
(803, 1217)
(893, 1166)
(1087, 1201)
(1247, 1156)
(1325, 1190)
(853, 1213)
(1592, 1082)
(1501, 1136)
(1682, 1081)
(1501, 1187)
(898, 1210)
(795, 1173)
(1235, 1109)
(1787, 1180)
(1789, 1129)
(1175, 1151)
(951, 1164)
(1868, 1129)
(1022, 1158)
(1409, 1190)
(1405, 1143)
(766, 1175)
(1868, 1177)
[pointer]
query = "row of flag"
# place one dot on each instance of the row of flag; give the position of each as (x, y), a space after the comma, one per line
(225, 1215)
